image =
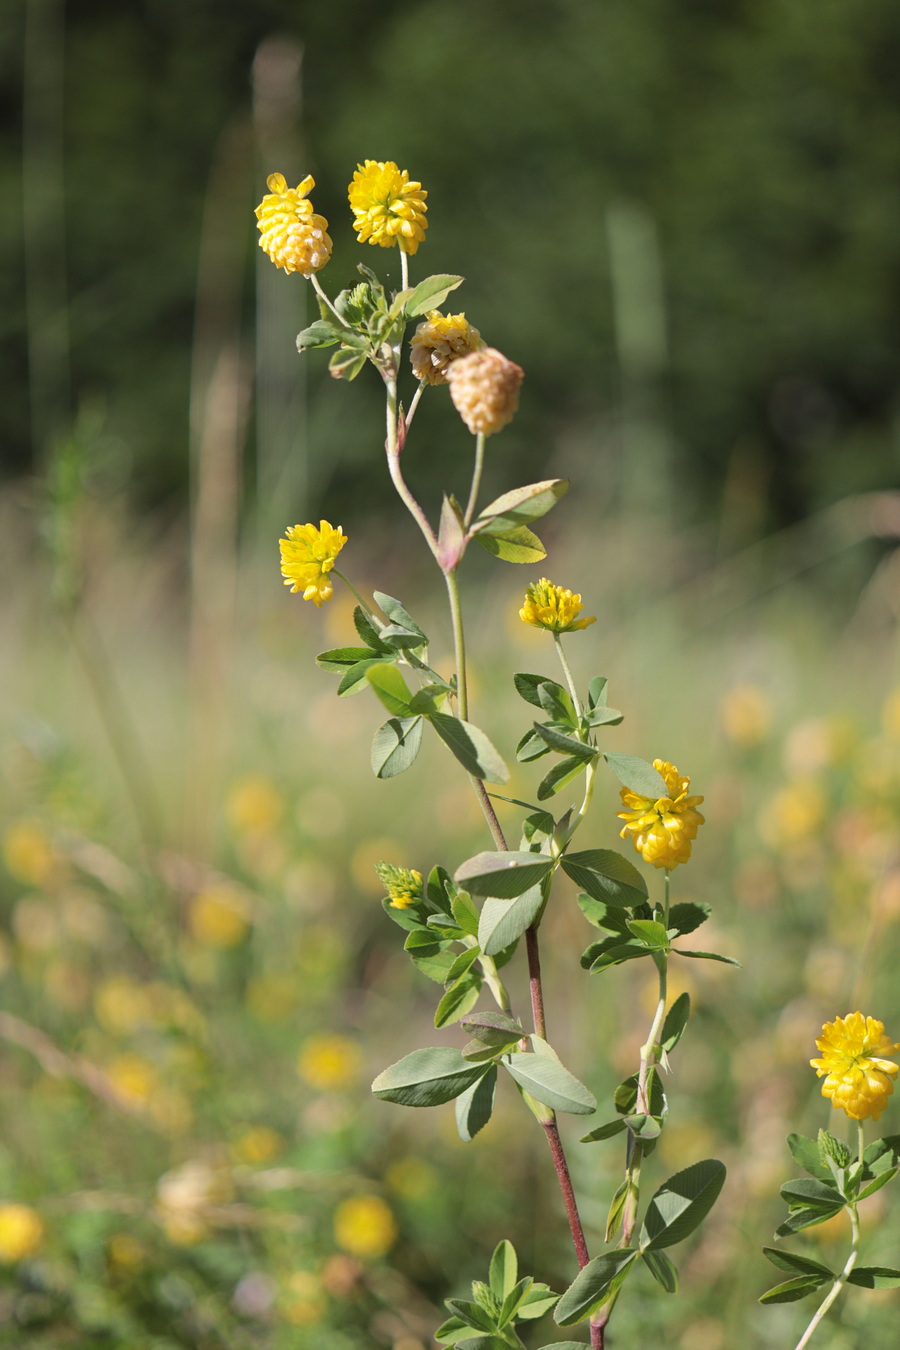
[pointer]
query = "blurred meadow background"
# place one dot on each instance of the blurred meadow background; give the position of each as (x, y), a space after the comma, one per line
(683, 222)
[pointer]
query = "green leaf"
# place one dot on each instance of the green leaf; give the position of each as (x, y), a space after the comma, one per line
(652, 934)
(391, 688)
(436, 966)
(604, 717)
(798, 1265)
(684, 918)
(465, 914)
(539, 1300)
(503, 921)
(366, 628)
(806, 1216)
(682, 1203)
(601, 915)
(504, 1270)
(340, 659)
(346, 363)
(427, 1078)
(318, 334)
(675, 1023)
(597, 691)
(462, 963)
(470, 1312)
(811, 1192)
(475, 1105)
(527, 687)
(806, 1152)
(564, 745)
(459, 999)
(502, 875)
(607, 1131)
(560, 776)
(617, 1209)
(395, 746)
(451, 535)
(531, 747)
(451, 1331)
(626, 1094)
(471, 747)
(662, 1270)
(356, 678)
(398, 616)
(510, 1305)
(707, 956)
(543, 1076)
(521, 505)
(557, 701)
(616, 954)
(483, 1343)
(606, 876)
(593, 1285)
(637, 775)
(881, 1180)
(875, 1277)
(792, 1290)
(493, 1028)
(519, 545)
(429, 294)
(565, 1345)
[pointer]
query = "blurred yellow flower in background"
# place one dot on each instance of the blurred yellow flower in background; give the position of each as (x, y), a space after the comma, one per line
(662, 830)
(303, 1301)
(254, 805)
(746, 715)
(364, 1225)
(121, 1005)
(292, 235)
(794, 814)
(28, 853)
(219, 916)
(328, 1062)
(438, 340)
(21, 1232)
(135, 1078)
(125, 1252)
(387, 208)
(258, 1144)
(553, 607)
(307, 557)
(859, 1079)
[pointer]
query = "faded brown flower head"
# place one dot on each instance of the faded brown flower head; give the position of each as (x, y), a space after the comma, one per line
(484, 387)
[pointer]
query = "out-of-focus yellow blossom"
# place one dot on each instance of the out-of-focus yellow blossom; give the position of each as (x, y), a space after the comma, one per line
(272, 998)
(859, 1079)
(794, 814)
(364, 1225)
(307, 556)
(484, 387)
(328, 1062)
(412, 1178)
(890, 715)
(125, 1252)
(21, 1232)
(293, 236)
(219, 916)
(662, 830)
(121, 1005)
(254, 805)
(387, 208)
(438, 340)
(135, 1078)
(746, 715)
(553, 607)
(259, 1144)
(28, 853)
(303, 1301)
(403, 884)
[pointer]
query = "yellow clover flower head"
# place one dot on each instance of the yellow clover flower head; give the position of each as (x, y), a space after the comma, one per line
(364, 1225)
(293, 236)
(859, 1081)
(662, 830)
(307, 557)
(21, 1232)
(553, 607)
(438, 340)
(403, 884)
(387, 208)
(484, 387)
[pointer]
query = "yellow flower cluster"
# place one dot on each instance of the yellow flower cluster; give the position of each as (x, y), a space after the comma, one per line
(484, 387)
(387, 208)
(553, 607)
(364, 1225)
(403, 884)
(438, 340)
(662, 830)
(859, 1080)
(307, 557)
(293, 236)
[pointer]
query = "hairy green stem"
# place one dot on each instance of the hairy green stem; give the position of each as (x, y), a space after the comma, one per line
(394, 446)
(476, 479)
(317, 286)
(567, 671)
(839, 1282)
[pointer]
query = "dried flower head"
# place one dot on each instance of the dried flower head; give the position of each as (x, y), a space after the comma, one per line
(403, 884)
(553, 607)
(307, 557)
(662, 829)
(387, 208)
(438, 340)
(484, 387)
(859, 1081)
(293, 236)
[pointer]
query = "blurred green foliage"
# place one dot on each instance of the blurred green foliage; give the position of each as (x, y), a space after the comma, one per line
(751, 146)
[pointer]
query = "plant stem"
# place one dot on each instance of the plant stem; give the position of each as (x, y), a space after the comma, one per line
(839, 1282)
(414, 404)
(459, 642)
(567, 671)
(393, 447)
(366, 606)
(476, 479)
(404, 270)
(317, 286)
